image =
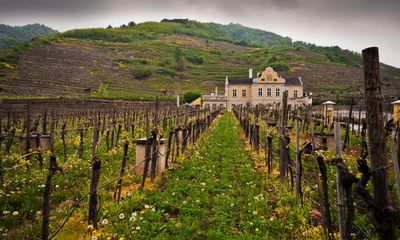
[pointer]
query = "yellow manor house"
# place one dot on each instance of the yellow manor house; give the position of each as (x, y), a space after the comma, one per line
(266, 88)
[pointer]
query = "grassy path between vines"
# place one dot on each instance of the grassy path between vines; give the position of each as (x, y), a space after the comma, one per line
(215, 194)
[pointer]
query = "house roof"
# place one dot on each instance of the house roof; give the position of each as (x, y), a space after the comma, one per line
(240, 81)
(328, 103)
(396, 102)
(293, 81)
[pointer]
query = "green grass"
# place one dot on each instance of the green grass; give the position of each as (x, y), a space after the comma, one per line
(215, 194)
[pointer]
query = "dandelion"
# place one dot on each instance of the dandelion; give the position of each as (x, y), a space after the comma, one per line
(134, 214)
(15, 213)
(271, 219)
(146, 206)
(198, 201)
(132, 219)
(255, 212)
(94, 238)
(153, 209)
(129, 194)
(232, 204)
(57, 186)
(173, 194)
(121, 216)
(203, 184)
(257, 229)
(6, 212)
(138, 228)
(89, 227)
(104, 222)
(184, 202)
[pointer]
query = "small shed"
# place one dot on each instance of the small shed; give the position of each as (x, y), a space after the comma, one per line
(328, 112)
(396, 111)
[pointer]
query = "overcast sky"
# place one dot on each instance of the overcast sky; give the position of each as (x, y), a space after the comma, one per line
(350, 24)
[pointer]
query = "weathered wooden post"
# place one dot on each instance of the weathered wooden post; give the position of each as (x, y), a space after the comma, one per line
(28, 133)
(377, 141)
(347, 134)
(80, 149)
(155, 143)
(298, 163)
(117, 194)
(282, 140)
(95, 136)
(96, 166)
(339, 186)
(53, 168)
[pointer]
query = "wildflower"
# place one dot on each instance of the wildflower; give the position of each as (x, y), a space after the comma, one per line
(198, 201)
(132, 219)
(134, 214)
(129, 194)
(89, 227)
(271, 219)
(184, 202)
(104, 222)
(94, 238)
(6, 212)
(146, 206)
(257, 229)
(138, 228)
(232, 204)
(153, 209)
(203, 184)
(57, 186)
(15, 213)
(255, 212)
(121, 216)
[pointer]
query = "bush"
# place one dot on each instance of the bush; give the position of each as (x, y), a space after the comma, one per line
(195, 59)
(141, 73)
(190, 96)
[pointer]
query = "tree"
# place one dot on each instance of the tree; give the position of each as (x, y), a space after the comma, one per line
(190, 96)
(109, 27)
(131, 24)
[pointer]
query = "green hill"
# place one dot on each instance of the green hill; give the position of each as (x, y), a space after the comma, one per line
(171, 57)
(10, 36)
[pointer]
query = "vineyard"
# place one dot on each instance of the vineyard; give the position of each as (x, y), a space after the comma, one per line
(130, 170)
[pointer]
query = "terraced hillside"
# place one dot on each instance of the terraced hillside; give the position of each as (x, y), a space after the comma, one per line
(169, 58)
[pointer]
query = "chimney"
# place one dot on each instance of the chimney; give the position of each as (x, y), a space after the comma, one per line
(226, 81)
(250, 73)
(216, 90)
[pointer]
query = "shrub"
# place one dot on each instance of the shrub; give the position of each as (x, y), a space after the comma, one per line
(190, 96)
(141, 73)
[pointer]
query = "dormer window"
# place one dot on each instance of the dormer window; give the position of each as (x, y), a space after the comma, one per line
(275, 79)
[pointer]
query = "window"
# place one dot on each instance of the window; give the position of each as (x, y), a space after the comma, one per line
(260, 92)
(275, 79)
(278, 92)
(295, 93)
(234, 93)
(269, 92)
(243, 92)
(263, 79)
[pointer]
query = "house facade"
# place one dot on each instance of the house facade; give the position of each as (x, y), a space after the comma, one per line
(266, 88)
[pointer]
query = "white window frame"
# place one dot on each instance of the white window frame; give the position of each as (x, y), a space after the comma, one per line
(269, 92)
(234, 93)
(244, 93)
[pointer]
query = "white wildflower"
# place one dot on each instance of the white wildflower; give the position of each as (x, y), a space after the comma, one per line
(121, 216)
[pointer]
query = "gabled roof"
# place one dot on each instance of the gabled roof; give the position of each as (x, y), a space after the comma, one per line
(296, 81)
(240, 81)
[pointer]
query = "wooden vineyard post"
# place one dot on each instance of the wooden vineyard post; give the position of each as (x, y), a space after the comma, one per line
(117, 194)
(28, 133)
(63, 133)
(339, 186)
(52, 134)
(80, 149)
(154, 149)
(53, 168)
(95, 136)
(298, 164)
(327, 212)
(282, 140)
(377, 141)
(347, 134)
(94, 181)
